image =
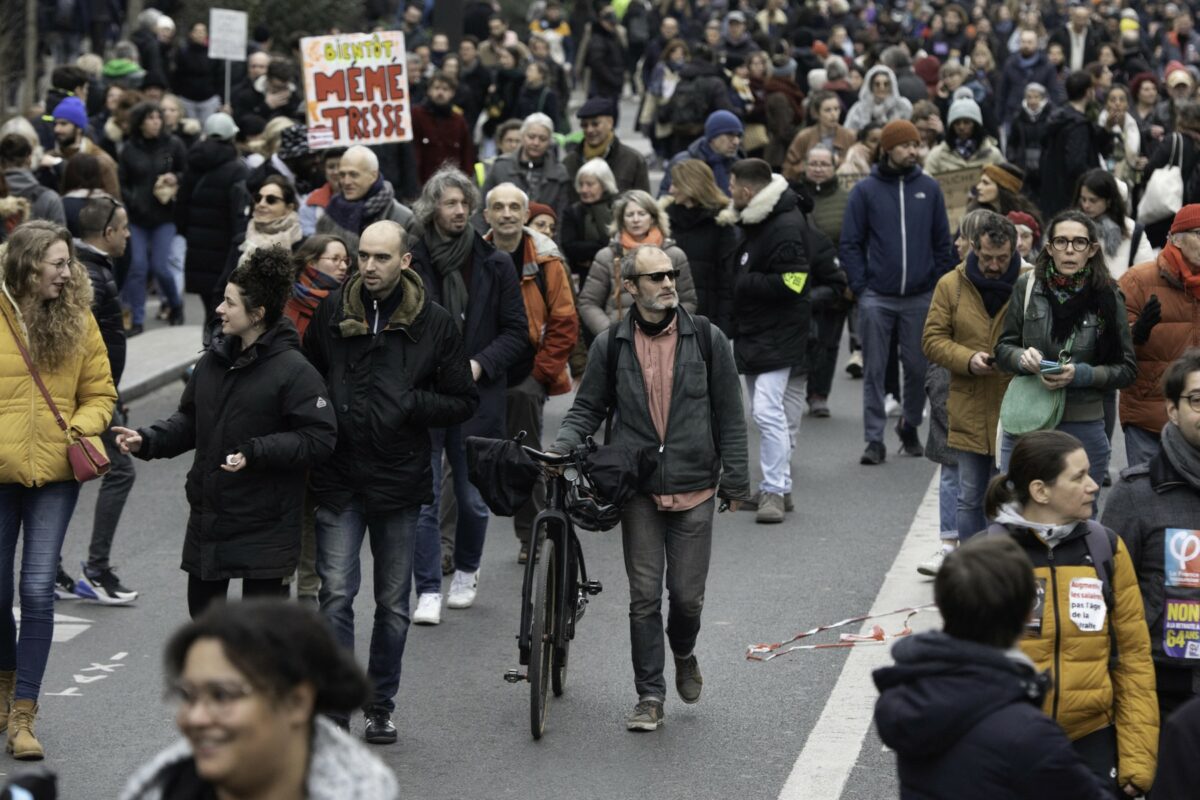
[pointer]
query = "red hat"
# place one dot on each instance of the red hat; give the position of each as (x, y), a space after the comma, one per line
(1021, 218)
(1187, 219)
(538, 209)
(820, 49)
(897, 132)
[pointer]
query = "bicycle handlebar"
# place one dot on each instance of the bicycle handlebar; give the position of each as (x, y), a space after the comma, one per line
(560, 459)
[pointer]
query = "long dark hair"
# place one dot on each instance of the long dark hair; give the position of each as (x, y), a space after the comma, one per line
(1037, 456)
(1101, 183)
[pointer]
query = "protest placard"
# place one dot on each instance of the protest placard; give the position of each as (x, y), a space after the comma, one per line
(227, 34)
(356, 85)
(956, 188)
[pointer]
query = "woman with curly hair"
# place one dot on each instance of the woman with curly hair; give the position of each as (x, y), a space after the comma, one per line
(46, 304)
(256, 413)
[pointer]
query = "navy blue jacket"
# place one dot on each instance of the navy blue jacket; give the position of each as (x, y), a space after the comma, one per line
(895, 235)
(965, 721)
(496, 330)
(1014, 78)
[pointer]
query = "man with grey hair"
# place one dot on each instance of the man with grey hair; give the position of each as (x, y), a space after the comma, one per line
(478, 285)
(395, 366)
(533, 167)
(366, 197)
(966, 317)
(687, 403)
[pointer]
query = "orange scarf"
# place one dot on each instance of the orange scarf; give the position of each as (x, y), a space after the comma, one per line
(653, 236)
(1171, 259)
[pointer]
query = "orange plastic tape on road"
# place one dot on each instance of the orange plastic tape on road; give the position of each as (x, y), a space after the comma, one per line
(766, 652)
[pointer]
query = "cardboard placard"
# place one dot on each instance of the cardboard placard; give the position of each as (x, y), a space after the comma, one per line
(956, 188)
(356, 89)
(227, 34)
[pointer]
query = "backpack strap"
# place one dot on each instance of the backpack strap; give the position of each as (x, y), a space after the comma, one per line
(1102, 546)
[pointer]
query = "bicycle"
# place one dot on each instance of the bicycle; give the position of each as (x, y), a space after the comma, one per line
(556, 588)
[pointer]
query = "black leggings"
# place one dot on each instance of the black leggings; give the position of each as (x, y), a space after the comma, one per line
(201, 593)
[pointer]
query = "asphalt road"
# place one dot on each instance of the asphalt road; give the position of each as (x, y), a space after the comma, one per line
(463, 730)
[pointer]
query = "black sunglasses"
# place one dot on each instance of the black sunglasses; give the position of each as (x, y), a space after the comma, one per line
(659, 277)
(112, 212)
(271, 199)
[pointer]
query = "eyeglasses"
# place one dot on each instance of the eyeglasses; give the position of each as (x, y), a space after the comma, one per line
(111, 213)
(659, 277)
(336, 259)
(1078, 244)
(269, 199)
(60, 265)
(217, 698)
(1193, 401)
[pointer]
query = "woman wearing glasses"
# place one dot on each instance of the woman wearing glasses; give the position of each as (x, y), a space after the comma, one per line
(637, 220)
(274, 220)
(879, 100)
(322, 264)
(1073, 313)
(253, 688)
(45, 301)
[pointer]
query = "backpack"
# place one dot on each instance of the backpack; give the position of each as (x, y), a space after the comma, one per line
(688, 107)
(703, 338)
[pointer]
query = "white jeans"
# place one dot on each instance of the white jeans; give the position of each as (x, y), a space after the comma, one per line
(776, 403)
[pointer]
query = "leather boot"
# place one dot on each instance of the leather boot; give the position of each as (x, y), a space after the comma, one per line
(22, 744)
(8, 682)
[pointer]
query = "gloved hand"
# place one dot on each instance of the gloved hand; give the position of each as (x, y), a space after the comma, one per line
(1151, 315)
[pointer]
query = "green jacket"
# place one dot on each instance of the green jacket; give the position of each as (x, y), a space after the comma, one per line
(1030, 327)
(688, 459)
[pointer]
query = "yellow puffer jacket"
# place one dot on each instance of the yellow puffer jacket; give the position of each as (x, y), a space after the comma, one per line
(33, 449)
(1089, 694)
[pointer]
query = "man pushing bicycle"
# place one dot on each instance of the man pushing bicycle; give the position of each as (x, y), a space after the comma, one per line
(672, 383)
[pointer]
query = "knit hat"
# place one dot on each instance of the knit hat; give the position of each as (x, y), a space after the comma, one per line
(120, 68)
(927, 68)
(1006, 176)
(1177, 73)
(220, 126)
(1021, 218)
(293, 142)
(965, 109)
(720, 122)
(1186, 219)
(820, 50)
(72, 110)
(538, 209)
(898, 132)
(1037, 87)
(596, 107)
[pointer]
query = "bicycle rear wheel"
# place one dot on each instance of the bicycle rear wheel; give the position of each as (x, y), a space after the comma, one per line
(541, 639)
(558, 668)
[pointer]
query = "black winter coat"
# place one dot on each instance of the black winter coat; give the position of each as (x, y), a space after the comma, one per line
(1073, 145)
(141, 162)
(269, 404)
(1026, 139)
(209, 210)
(106, 306)
(965, 721)
(579, 251)
(387, 389)
(771, 308)
(496, 331)
(605, 58)
(710, 242)
(1178, 768)
(195, 75)
(628, 167)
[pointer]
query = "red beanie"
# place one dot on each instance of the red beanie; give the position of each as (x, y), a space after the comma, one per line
(538, 209)
(1021, 218)
(1187, 219)
(897, 132)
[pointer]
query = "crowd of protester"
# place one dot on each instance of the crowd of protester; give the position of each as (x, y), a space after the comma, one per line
(391, 301)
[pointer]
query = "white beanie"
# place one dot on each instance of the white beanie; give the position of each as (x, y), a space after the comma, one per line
(965, 109)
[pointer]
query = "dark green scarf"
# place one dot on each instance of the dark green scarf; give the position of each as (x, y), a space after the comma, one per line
(449, 256)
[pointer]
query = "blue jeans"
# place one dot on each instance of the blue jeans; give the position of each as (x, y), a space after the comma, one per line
(339, 540)
(41, 513)
(948, 489)
(677, 544)
(1140, 445)
(1095, 444)
(879, 317)
(472, 516)
(975, 471)
(149, 254)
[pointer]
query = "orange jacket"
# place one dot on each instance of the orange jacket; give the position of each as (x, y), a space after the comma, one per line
(550, 310)
(1142, 403)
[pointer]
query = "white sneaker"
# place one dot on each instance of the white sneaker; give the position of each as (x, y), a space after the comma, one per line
(891, 405)
(429, 609)
(930, 568)
(462, 589)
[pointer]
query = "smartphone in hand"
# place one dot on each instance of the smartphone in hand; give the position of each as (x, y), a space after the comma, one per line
(1050, 367)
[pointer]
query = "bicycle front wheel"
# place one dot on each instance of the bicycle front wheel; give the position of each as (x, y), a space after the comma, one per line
(541, 639)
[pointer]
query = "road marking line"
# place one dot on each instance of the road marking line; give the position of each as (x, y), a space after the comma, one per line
(833, 745)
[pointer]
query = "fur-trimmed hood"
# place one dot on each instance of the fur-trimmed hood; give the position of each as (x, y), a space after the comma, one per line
(726, 216)
(763, 203)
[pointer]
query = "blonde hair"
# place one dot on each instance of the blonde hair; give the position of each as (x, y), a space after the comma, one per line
(695, 179)
(56, 328)
(647, 203)
(272, 134)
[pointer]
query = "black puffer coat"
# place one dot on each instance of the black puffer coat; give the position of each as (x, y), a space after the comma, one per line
(106, 306)
(388, 389)
(196, 74)
(142, 161)
(709, 237)
(268, 403)
(771, 307)
(209, 210)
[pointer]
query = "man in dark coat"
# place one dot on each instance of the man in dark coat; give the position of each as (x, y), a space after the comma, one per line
(720, 147)
(772, 313)
(395, 365)
(598, 118)
(479, 286)
(1079, 39)
(1028, 65)
(1073, 145)
(210, 209)
(962, 706)
(440, 132)
(605, 59)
